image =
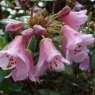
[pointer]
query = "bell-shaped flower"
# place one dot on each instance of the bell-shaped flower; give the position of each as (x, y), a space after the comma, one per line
(75, 44)
(14, 57)
(39, 30)
(27, 33)
(14, 26)
(50, 58)
(74, 19)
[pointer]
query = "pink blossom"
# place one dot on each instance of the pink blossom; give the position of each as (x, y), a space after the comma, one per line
(50, 58)
(74, 19)
(14, 26)
(75, 44)
(39, 30)
(27, 33)
(14, 57)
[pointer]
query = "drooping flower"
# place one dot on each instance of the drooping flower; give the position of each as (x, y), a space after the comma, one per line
(39, 30)
(14, 57)
(74, 19)
(75, 44)
(27, 33)
(23, 68)
(14, 26)
(50, 58)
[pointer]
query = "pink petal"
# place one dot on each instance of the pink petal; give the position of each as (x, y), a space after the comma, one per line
(31, 65)
(71, 36)
(88, 39)
(85, 65)
(75, 19)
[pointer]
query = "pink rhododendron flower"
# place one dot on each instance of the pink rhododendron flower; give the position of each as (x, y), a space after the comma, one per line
(27, 33)
(14, 57)
(74, 19)
(22, 67)
(39, 30)
(50, 58)
(75, 44)
(14, 26)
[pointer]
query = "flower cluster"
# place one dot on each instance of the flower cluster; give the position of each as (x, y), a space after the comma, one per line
(18, 57)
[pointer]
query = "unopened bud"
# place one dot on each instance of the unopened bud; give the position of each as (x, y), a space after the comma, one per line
(14, 26)
(27, 33)
(39, 30)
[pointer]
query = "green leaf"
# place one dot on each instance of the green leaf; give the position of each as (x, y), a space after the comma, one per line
(24, 18)
(6, 21)
(68, 70)
(43, 92)
(89, 16)
(54, 93)
(3, 41)
(93, 60)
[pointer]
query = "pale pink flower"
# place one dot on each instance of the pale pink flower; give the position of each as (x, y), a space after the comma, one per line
(75, 44)
(39, 30)
(23, 68)
(50, 58)
(14, 57)
(74, 19)
(27, 33)
(14, 26)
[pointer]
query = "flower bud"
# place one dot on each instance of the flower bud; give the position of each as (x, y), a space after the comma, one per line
(39, 30)
(35, 9)
(27, 33)
(66, 10)
(14, 26)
